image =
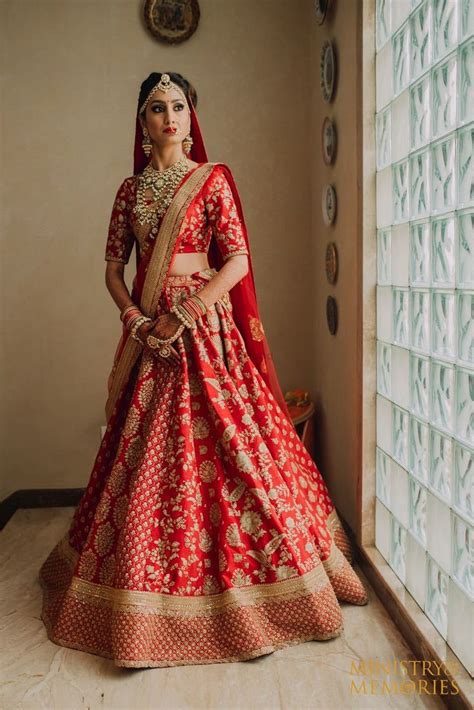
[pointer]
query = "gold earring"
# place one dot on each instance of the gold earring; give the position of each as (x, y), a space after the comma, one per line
(187, 143)
(146, 143)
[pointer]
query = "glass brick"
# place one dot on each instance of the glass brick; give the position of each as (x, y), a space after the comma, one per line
(384, 207)
(400, 107)
(384, 369)
(420, 320)
(400, 254)
(384, 77)
(401, 58)
(384, 268)
(443, 259)
(437, 597)
(417, 510)
(466, 327)
(465, 166)
(420, 262)
(463, 554)
(384, 313)
(442, 395)
(382, 22)
(400, 11)
(467, 17)
(420, 39)
(400, 191)
(398, 549)
(416, 565)
(383, 477)
(445, 21)
(384, 424)
(444, 96)
(465, 253)
(419, 383)
(420, 113)
(466, 78)
(400, 422)
(465, 405)
(383, 135)
(443, 181)
(400, 299)
(443, 324)
(464, 480)
(419, 184)
(419, 449)
(438, 530)
(441, 458)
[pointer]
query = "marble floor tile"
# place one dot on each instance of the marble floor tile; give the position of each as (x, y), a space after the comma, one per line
(37, 674)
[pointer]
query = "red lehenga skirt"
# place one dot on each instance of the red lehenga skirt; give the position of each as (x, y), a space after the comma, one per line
(206, 533)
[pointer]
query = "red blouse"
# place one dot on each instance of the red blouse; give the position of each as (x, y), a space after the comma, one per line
(212, 211)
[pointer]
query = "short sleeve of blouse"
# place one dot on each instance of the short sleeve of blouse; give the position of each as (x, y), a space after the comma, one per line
(223, 215)
(120, 239)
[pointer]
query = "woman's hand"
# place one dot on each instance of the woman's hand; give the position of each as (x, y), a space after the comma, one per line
(163, 327)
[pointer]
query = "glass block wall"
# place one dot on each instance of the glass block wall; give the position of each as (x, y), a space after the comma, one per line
(425, 306)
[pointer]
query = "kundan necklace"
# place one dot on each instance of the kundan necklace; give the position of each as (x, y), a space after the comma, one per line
(163, 184)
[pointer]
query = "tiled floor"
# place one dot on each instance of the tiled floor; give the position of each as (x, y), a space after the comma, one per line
(36, 673)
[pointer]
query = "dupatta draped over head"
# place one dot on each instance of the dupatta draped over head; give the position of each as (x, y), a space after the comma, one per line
(243, 295)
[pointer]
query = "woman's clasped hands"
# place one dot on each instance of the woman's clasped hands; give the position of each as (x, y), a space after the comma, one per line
(163, 327)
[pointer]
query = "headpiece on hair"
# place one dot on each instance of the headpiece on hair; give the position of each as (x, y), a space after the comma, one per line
(164, 84)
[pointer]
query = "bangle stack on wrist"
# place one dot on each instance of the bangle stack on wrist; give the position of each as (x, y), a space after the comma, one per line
(133, 319)
(190, 310)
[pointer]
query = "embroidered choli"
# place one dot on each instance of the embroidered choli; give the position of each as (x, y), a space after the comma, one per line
(212, 211)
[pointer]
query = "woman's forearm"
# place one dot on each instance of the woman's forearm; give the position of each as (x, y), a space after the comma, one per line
(234, 269)
(116, 285)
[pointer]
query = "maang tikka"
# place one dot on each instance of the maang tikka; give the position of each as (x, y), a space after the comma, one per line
(165, 84)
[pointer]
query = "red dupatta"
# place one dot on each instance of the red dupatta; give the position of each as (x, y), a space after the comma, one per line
(242, 295)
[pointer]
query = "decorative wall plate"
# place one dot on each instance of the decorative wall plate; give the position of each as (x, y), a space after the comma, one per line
(329, 141)
(321, 8)
(327, 70)
(331, 314)
(331, 262)
(329, 204)
(171, 21)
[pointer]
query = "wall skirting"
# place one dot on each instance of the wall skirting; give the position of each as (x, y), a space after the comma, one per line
(38, 498)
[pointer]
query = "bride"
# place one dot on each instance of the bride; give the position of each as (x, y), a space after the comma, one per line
(206, 533)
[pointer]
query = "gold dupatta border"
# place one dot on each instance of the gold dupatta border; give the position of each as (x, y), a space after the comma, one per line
(157, 269)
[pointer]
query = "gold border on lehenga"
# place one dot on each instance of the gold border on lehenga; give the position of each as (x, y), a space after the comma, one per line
(306, 583)
(157, 269)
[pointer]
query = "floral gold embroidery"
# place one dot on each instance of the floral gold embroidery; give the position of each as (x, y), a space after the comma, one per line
(207, 471)
(256, 328)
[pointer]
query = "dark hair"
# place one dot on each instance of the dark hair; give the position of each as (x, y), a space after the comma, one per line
(153, 79)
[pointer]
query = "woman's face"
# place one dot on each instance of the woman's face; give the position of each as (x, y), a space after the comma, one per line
(165, 112)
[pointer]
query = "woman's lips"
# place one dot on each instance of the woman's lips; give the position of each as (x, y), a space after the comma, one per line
(170, 130)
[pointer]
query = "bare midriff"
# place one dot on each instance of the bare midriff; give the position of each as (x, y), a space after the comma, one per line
(189, 263)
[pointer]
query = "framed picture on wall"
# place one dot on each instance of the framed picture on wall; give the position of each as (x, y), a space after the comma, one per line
(171, 21)
(328, 140)
(327, 70)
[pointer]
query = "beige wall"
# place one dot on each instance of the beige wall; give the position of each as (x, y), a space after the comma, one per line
(336, 364)
(71, 70)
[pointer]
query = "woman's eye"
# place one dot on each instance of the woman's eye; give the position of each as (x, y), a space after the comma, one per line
(158, 109)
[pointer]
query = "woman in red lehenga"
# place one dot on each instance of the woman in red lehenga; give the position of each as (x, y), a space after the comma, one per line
(206, 533)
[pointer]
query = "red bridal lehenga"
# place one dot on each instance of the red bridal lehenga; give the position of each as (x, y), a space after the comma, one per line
(206, 533)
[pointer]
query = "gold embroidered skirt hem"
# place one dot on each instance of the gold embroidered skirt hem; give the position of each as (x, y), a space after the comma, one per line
(144, 629)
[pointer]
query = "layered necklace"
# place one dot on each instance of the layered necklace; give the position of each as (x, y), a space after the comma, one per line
(163, 184)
